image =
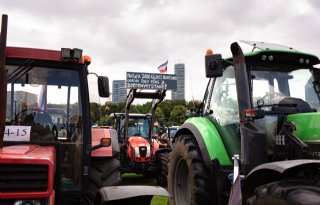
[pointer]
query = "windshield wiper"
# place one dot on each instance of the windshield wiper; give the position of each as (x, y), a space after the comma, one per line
(20, 71)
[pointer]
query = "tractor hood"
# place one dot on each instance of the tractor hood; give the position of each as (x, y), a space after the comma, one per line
(34, 154)
(307, 126)
(137, 141)
(26, 161)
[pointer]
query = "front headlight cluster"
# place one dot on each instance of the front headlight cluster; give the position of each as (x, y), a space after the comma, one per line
(137, 152)
(148, 151)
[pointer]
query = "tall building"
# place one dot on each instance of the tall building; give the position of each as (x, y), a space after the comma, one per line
(180, 92)
(119, 91)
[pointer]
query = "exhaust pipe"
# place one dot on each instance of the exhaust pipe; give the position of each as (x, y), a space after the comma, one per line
(253, 141)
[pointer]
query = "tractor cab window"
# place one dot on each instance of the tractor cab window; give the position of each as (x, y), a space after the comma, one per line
(224, 106)
(136, 127)
(280, 91)
(284, 87)
(224, 103)
(48, 101)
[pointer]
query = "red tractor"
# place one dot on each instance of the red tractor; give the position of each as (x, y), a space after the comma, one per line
(49, 154)
(140, 151)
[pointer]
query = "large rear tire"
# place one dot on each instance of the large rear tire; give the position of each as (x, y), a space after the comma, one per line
(286, 192)
(188, 177)
(103, 172)
(162, 179)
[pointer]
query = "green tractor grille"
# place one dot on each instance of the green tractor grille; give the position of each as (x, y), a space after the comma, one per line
(23, 178)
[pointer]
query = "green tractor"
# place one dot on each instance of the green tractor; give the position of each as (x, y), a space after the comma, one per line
(255, 139)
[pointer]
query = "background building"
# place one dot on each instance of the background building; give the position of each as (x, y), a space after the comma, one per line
(119, 91)
(21, 98)
(180, 92)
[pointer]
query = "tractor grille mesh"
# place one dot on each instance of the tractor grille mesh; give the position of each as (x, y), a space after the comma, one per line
(23, 178)
(143, 151)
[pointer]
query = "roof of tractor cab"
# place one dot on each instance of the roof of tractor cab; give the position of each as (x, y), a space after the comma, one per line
(34, 53)
(281, 57)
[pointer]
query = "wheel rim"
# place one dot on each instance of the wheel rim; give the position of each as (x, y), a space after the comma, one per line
(181, 183)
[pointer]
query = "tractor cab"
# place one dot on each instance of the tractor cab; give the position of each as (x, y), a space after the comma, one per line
(44, 107)
(138, 125)
(258, 130)
(47, 122)
(277, 91)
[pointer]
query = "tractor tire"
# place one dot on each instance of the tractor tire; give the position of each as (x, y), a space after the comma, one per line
(162, 179)
(188, 177)
(103, 172)
(286, 192)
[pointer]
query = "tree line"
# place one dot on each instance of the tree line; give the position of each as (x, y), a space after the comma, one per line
(168, 112)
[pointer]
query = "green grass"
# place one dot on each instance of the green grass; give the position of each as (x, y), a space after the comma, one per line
(138, 179)
(159, 200)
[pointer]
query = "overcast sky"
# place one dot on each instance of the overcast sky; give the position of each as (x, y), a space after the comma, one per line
(139, 35)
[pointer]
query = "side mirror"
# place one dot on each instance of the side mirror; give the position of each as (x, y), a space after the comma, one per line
(214, 65)
(103, 86)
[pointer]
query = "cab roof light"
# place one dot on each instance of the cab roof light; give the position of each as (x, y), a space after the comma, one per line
(77, 53)
(65, 53)
(87, 60)
(71, 54)
(209, 52)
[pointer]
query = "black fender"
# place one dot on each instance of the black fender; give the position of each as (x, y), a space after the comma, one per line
(123, 195)
(190, 129)
(114, 142)
(274, 171)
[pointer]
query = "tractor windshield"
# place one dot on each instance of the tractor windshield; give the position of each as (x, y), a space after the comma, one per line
(47, 100)
(136, 127)
(271, 87)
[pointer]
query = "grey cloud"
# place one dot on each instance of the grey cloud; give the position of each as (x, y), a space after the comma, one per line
(315, 4)
(120, 35)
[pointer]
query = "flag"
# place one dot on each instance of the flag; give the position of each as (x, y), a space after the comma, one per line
(163, 67)
(42, 100)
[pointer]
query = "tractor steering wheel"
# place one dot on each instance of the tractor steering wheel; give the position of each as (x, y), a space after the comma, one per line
(35, 116)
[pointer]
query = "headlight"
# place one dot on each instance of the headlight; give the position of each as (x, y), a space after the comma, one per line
(137, 152)
(148, 151)
(27, 202)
